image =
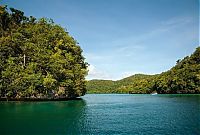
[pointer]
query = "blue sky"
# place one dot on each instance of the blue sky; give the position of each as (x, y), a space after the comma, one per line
(124, 37)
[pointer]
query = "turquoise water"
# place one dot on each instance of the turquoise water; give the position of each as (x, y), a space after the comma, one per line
(104, 114)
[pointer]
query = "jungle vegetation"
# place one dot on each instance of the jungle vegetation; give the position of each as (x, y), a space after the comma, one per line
(184, 77)
(39, 59)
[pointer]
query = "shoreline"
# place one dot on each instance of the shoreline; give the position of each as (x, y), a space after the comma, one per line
(39, 99)
(151, 93)
(79, 98)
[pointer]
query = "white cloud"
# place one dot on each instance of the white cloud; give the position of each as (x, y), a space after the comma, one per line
(95, 73)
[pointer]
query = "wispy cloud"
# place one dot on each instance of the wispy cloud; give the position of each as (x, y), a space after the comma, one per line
(129, 54)
(137, 43)
(162, 27)
(95, 73)
(177, 21)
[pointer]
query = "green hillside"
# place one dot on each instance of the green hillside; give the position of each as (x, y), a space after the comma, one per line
(138, 83)
(184, 77)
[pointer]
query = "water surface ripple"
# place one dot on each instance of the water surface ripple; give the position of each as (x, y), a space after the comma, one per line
(104, 114)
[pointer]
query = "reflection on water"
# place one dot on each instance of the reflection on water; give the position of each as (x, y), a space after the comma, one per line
(42, 117)
(101, 114)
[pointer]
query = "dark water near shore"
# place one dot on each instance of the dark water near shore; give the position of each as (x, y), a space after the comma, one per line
(100, 114)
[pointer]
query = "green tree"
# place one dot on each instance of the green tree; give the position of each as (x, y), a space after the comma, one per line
(38, 57)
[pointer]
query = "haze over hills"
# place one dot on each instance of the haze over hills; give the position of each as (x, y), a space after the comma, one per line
(184, 77)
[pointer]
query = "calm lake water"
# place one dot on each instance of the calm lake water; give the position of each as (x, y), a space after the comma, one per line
(104, 114)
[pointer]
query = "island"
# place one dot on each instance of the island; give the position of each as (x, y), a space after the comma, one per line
(39, 59)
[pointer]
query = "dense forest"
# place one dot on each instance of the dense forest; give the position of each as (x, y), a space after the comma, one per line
(39, 59)
(184, 77)
(138, 83)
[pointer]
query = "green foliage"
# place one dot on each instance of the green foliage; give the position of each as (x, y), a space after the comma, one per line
(38, 57)
(138, 83)
(184, 77)
(100, 86)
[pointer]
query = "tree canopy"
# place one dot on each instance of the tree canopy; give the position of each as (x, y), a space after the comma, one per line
(38, 58)
(184, 77)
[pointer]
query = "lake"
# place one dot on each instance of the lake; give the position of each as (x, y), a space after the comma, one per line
(104, 114)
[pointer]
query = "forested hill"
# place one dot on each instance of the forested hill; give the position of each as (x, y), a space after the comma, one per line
(39, 59)
(184, 77)
(138, 83)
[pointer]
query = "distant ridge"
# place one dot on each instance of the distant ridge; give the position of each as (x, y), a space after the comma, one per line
(184, 77)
